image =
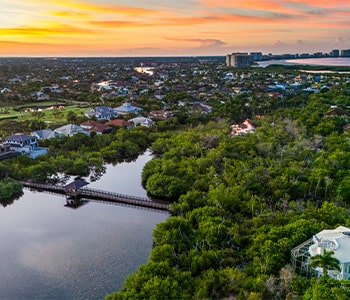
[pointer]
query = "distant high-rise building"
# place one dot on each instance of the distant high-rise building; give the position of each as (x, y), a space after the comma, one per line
(238, 59)
(228, 60)
(334, 53)
(255, 56)
(345, 53)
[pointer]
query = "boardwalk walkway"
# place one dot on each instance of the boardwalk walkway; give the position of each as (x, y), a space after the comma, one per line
(97, 194)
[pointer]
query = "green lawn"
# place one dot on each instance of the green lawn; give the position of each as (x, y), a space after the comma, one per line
(49, 115)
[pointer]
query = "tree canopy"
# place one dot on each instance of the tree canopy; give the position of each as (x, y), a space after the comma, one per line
(326, 261)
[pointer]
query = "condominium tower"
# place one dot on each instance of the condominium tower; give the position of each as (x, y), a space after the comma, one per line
(238, 59)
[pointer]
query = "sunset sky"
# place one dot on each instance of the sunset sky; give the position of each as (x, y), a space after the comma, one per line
(171, 27)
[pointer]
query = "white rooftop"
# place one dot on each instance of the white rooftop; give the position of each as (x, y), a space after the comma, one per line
(337, 240)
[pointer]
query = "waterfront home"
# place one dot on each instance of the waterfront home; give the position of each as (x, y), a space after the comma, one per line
(336, 240)
(20, 140)
(102, 113)
(25, 144)
(6, 152)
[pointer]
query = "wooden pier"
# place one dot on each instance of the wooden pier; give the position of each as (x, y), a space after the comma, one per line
(88, 193)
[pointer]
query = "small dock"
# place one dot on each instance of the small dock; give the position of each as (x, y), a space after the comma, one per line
(77, 190)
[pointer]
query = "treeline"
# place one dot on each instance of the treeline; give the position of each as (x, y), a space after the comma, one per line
(79, 155)
(240, 204)
(10, 190)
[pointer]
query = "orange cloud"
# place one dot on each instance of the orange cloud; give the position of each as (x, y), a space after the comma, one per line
(90, 26)
(203, 42)
(10, 48)
(121, 24)
(247, 4)
(44, 31)
(104, 8)
(70, 14)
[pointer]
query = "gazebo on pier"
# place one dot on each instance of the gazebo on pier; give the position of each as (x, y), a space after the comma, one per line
(72, 192)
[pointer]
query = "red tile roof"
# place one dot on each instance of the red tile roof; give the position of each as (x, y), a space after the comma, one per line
(119, 122)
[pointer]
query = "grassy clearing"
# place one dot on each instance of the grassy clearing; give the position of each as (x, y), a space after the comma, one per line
(22, 112)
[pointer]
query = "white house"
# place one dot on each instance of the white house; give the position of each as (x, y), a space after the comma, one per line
(127, 108)
(245, 127)
(337, 240)
(45, 134)
(102, 113)
(70, 130)
(5, 90)
(141, 121)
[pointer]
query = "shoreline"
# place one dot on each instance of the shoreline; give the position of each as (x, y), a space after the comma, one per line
(311, 61)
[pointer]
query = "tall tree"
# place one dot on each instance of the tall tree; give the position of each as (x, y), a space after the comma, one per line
(326, 261)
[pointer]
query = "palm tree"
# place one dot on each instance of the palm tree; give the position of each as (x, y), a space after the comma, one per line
(326, 262)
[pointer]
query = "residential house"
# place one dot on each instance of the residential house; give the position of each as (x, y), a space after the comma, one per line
(245, 127)
(197, 109)
(5, 91)
(20, 140)
(22, 143)
(70, 130)
(45, 134)
(338, 112)
(127, 108)
(94, 126)
(120, 123)
(142, 121)
(160, 114)
(57, 89)
(104, 86)
(346, 127)
(102, 113)
(336, 240)
(42, 96)
(6, 152)
(15, 80)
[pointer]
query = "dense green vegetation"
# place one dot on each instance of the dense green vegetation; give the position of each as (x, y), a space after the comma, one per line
(9, 190)
(244, 202)
(239, 203)
(77, 155)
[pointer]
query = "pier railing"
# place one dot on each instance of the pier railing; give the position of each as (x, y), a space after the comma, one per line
(98, 194)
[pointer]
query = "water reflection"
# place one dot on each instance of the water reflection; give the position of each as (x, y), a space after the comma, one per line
(9, 201)
(51, 252)
(124, 177)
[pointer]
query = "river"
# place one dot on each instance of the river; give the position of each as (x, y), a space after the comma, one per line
(49, 251)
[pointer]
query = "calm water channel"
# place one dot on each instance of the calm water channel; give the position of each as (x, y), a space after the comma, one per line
(49, 251)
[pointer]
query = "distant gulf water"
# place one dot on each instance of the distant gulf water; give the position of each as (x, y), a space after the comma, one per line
(325, 61)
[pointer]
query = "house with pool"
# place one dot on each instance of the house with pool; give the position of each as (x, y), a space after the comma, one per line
(25, 144)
